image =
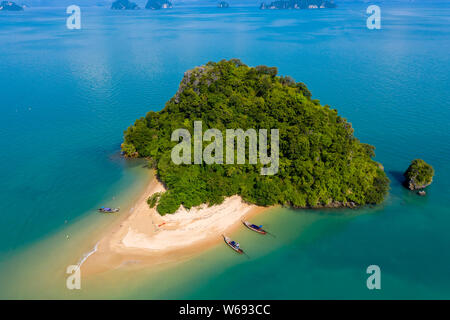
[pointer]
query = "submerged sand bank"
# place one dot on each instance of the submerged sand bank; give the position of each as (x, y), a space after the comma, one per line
(143, 237)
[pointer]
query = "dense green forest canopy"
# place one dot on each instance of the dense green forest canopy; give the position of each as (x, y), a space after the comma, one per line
(321, 163)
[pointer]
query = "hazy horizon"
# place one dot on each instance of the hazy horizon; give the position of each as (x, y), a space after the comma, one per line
(141, 3)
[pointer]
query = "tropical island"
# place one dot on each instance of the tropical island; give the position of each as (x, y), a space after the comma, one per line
(10, 6)
(124, 5)
(298, 4)
(158, 4)
(223, 4)
(321, 162)
(187, 207)
(419, 175)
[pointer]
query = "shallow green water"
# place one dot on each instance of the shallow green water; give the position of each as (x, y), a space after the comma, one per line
(67, 97)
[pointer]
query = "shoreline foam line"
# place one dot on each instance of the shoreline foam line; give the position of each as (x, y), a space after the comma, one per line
(86, 255)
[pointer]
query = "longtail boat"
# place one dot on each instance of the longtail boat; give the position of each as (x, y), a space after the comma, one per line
(254, 227)
(233, 244)
(108, 210)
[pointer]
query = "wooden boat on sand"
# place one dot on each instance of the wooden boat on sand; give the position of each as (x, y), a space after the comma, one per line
(233, 244)
(108, 210)
(254, 227)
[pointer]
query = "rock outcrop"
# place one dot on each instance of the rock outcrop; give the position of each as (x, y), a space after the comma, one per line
(419, 175)
(192, 78)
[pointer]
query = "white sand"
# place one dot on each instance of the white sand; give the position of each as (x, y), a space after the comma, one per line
(190, 226)
(146, 236)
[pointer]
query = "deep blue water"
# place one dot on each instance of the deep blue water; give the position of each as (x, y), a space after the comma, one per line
(67, 96)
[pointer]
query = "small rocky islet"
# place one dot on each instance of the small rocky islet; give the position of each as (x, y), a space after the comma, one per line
(418, 176)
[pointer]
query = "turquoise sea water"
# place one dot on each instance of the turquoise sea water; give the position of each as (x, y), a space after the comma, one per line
(67, 96)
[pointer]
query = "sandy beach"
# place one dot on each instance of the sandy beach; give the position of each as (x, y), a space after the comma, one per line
(142, 237)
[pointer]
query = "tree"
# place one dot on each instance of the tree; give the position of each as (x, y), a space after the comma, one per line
(321, 161)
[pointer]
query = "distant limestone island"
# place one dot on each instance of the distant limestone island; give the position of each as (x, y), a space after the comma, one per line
(298, 4)
(223, 4)
(124, 5)
(280, 4)
(158, 4)
(10, 6)
(151, 4)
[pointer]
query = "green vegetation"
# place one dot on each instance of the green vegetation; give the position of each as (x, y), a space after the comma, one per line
(153, 199)
(419, 174)
(321, 162)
